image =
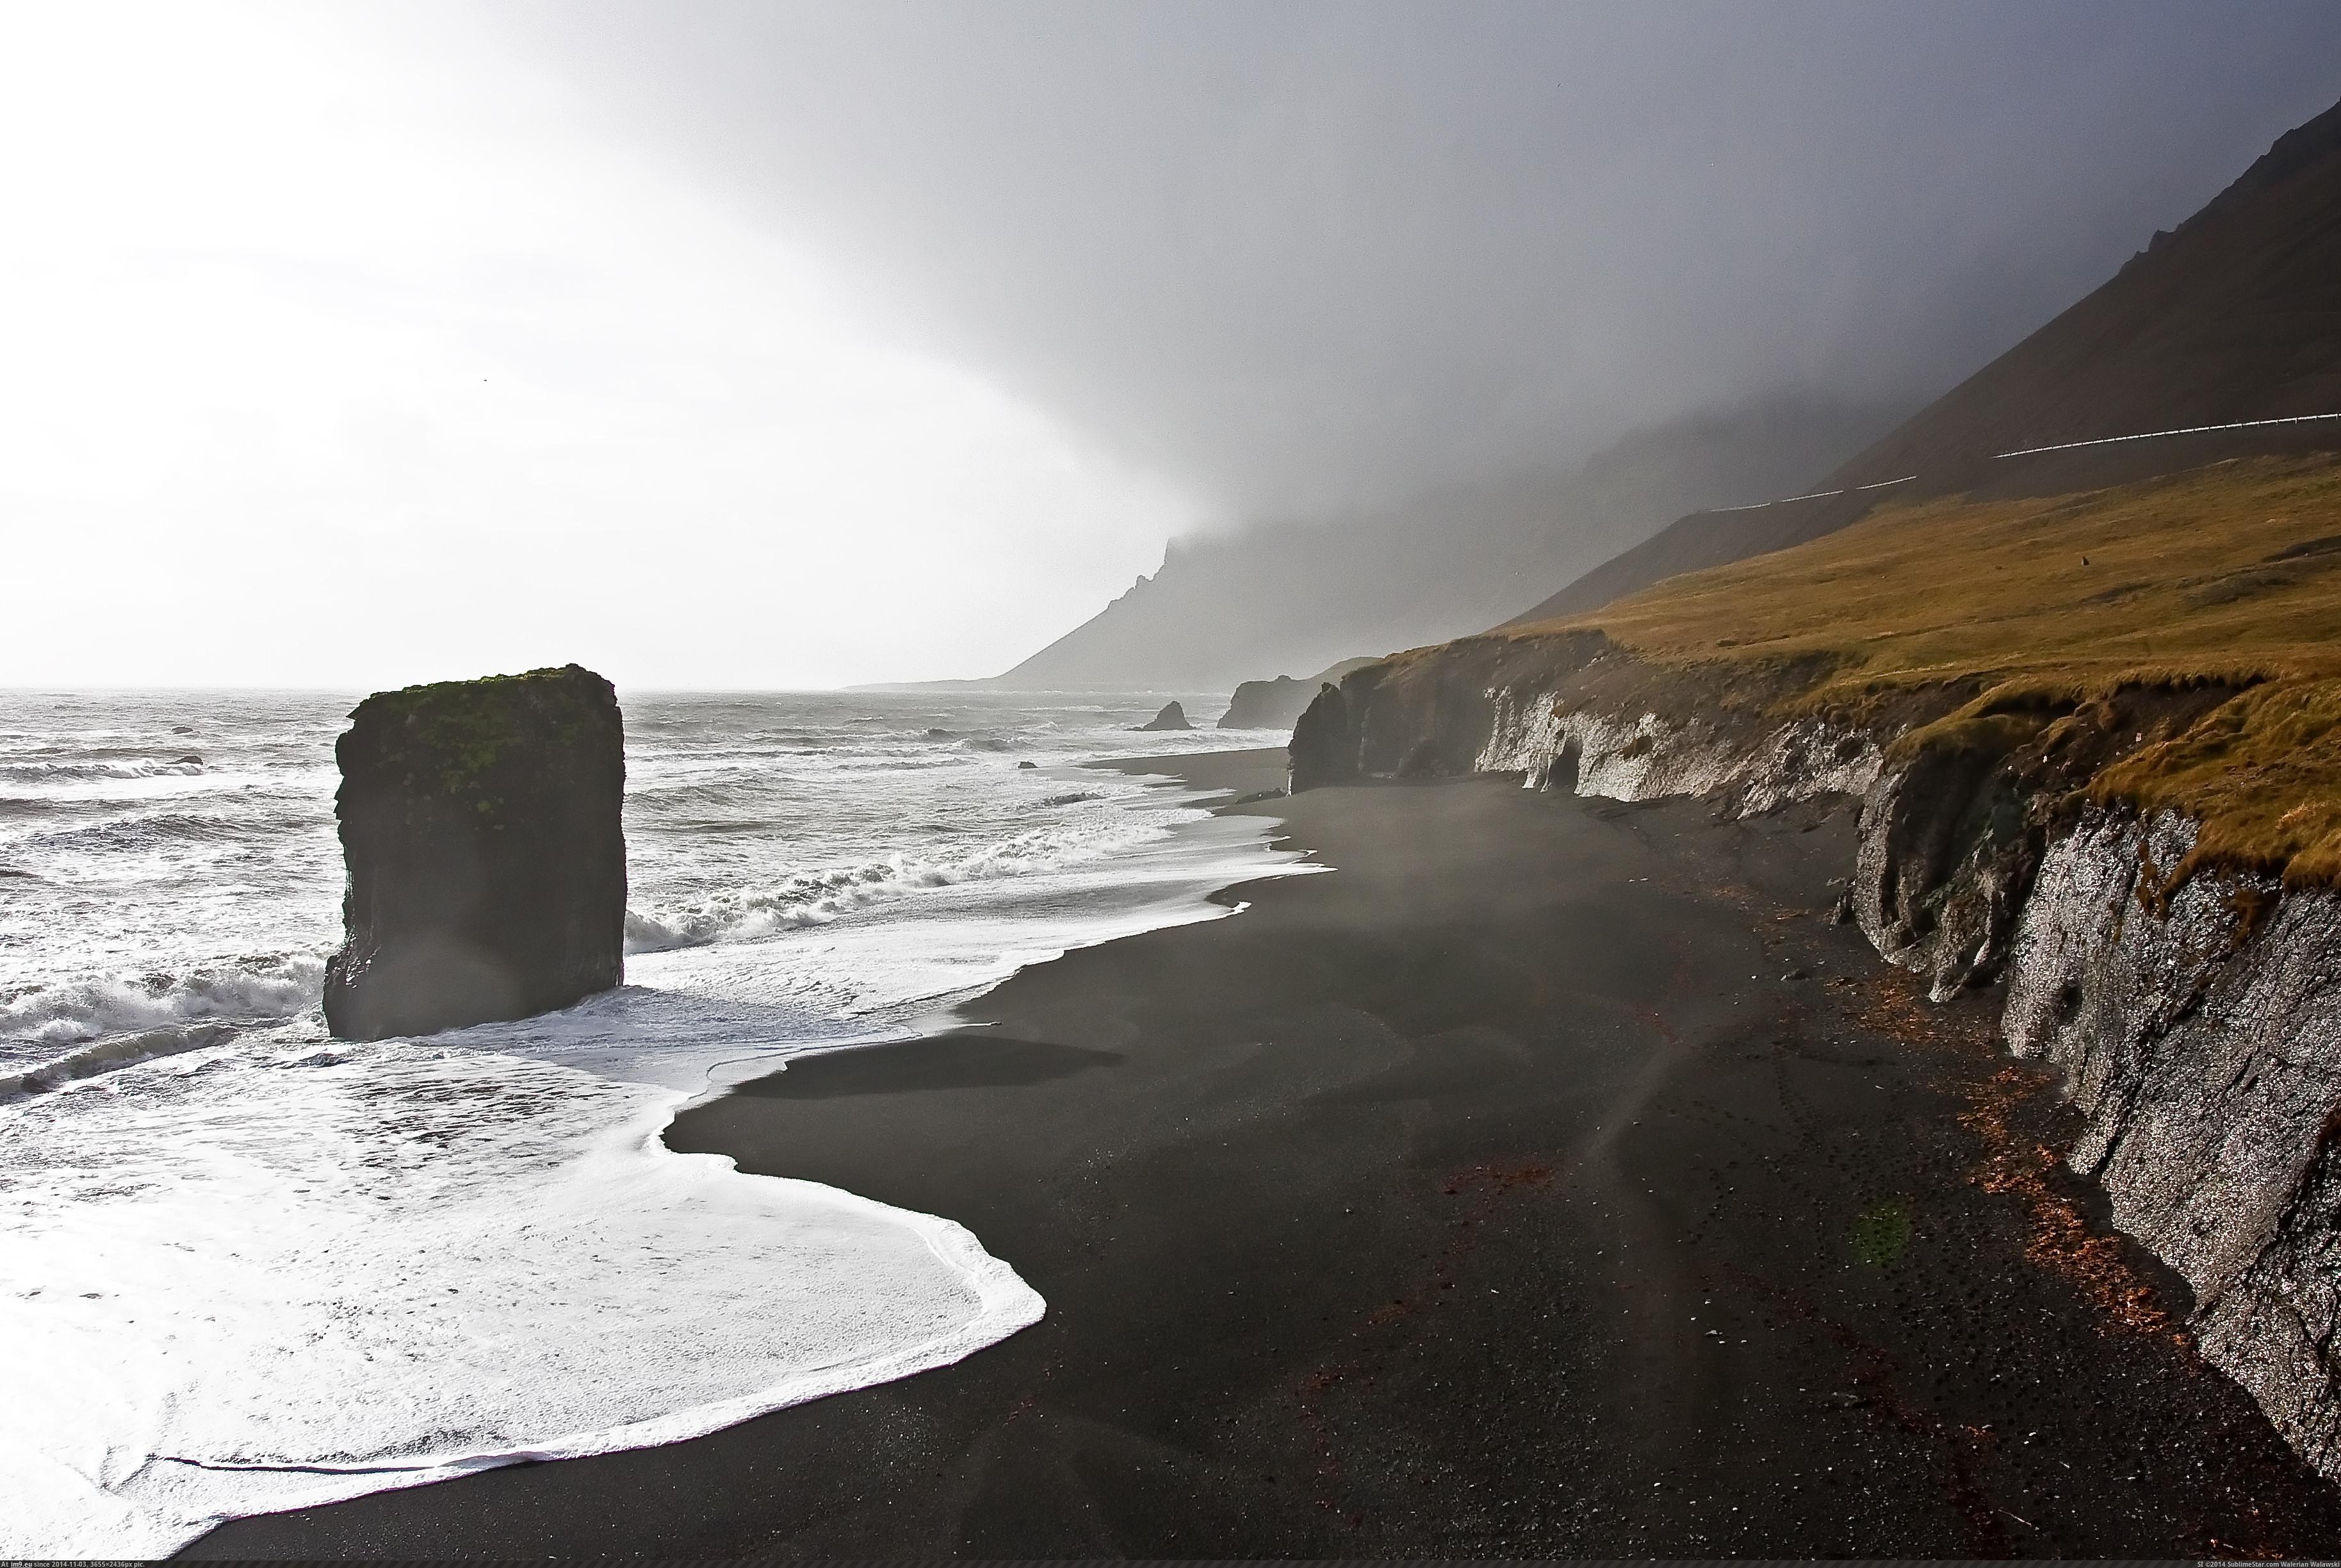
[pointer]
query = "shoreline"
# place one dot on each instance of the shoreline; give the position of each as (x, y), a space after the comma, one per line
(1554, 1178)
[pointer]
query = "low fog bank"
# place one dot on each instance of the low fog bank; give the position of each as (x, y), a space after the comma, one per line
(1312, 259)
(1292, 598)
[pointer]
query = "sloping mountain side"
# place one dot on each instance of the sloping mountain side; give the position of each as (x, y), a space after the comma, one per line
(2097, 744)
(2233, 317)
(1299, 596)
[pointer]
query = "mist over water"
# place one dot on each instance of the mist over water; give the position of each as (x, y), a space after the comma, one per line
(244, 1266)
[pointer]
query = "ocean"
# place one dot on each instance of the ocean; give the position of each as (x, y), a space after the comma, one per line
(246, 1267)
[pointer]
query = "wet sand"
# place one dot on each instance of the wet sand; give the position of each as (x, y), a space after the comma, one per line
(1555, 1179)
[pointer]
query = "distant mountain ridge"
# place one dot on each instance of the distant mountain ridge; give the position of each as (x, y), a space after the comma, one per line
(2234, 316)
(1299, 596)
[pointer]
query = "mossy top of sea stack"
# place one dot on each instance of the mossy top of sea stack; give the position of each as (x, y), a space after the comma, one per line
(447, 736)
(480, 821)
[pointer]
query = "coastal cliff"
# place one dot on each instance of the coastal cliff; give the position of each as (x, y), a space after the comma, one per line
(2139, 850)
(487, 867)
(2198, 1030)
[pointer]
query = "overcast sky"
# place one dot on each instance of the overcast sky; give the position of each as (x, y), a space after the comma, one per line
(796, 345)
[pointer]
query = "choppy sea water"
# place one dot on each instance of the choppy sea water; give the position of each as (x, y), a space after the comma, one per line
(246, 1267)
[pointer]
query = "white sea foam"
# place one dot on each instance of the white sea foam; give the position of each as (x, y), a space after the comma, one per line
(817, 897)
(232, 1285)
(72, 1011)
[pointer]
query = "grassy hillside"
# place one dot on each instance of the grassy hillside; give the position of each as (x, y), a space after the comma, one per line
(2228, 317)
(2223, 578)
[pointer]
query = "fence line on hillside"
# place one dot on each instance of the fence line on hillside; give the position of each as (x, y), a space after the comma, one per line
(2027, 452)
(1816, 494)
(2152, 434)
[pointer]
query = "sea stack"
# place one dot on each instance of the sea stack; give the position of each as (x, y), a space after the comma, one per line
(487, 867)
(1322, 751)
(1171, 717)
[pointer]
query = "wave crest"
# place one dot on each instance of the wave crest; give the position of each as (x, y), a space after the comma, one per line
(817, 897)
(74, 1012)
(105, 1055)
(76, 773)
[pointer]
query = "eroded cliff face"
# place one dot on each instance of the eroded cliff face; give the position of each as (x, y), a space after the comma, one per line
(1955, 825)
(2197, 1028)
(2197, 1024)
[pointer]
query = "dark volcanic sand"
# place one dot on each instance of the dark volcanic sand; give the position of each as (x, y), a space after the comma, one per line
(1498, 1195)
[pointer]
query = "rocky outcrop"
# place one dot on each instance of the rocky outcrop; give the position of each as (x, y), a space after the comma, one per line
(1275, 705)
(487, 868)
(1171, 717)
(1323, 751)
(2197, 1023)
(1964, 808)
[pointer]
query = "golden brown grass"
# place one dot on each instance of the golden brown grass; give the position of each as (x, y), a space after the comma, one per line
(2262, 775)
(2229, 575)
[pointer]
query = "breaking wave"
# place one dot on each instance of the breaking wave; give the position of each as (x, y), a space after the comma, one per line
(158, 830)
(71, 1013)
(87, 772)
(815, 897)
(121, 1051)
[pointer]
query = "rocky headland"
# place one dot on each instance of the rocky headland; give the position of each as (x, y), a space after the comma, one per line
(2093, 746)
(1268, 705)
(1277, 704)
(487, 868)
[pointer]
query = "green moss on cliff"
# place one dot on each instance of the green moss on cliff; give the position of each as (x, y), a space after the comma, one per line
(453, 734)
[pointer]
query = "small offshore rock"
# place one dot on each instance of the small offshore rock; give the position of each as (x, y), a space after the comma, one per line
(487, 865)
(190, 758)
(1171, 717)
(1028, 764)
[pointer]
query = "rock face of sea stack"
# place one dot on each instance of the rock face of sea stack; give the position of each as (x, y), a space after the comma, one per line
(487, 867)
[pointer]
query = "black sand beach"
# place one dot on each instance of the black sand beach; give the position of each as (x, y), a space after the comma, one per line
(1555, 1180)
